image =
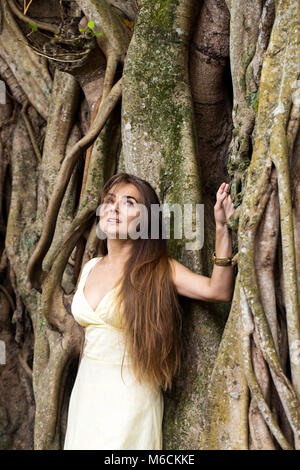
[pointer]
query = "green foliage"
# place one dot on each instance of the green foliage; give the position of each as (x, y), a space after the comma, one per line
(33, 26)
(91, 26)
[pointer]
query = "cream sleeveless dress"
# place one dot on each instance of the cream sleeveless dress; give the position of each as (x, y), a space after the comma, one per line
(106, 410)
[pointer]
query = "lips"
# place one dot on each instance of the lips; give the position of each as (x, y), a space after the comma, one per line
(117, 221)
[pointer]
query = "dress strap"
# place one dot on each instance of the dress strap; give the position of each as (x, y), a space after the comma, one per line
(87, 267)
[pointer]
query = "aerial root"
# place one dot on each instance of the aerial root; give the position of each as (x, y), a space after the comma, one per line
(68, 164)
(251, 379)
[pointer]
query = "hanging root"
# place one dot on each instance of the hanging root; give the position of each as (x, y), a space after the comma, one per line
(40, 24)
(265, 255)
(294, 119)
(106, 107)
(30, 132)
(26, 66)
(256, 392)
(279, 153)
(284, 388)
(107, 86)
(261, 436)
(51, 287)
(249, 35)
(280, 70)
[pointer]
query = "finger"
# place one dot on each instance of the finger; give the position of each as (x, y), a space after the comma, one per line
(221, 198)
(219, 202)
(221, 189)
(226, 188)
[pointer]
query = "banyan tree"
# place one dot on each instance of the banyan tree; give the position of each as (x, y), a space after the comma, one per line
(185, 94)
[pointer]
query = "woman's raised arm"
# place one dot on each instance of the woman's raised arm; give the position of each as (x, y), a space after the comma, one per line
(219, 287)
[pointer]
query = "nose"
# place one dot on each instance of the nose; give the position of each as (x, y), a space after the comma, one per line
(114, 208)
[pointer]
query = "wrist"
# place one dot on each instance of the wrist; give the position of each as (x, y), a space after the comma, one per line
(222, 227)
(230, 260)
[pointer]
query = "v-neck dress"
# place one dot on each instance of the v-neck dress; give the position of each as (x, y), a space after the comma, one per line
(108, 411)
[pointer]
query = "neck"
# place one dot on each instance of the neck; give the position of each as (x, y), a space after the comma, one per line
(118, 251)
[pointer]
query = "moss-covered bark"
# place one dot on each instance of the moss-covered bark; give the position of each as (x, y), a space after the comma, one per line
(270, 156)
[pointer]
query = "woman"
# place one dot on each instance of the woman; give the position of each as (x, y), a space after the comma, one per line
(127, 302)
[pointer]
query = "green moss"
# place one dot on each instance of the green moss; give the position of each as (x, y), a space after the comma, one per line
(256, 102)
(160, 81)
(162, 13)
(253, 101)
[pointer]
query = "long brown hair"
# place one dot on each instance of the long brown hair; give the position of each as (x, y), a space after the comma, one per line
(151, 313)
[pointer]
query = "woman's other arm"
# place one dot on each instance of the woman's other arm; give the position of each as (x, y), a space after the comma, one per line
(219, 287)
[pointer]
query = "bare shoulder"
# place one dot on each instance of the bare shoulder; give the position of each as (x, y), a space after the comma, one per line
(178, 268)
(89, 263)
(175, 265)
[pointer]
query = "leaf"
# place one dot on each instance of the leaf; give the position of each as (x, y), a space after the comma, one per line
(97, 34)
(91, 24)
(33, 26)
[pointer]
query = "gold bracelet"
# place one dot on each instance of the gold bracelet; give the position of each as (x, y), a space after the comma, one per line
(226, 261)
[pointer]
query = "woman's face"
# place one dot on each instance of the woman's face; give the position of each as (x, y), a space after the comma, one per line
(119, 209)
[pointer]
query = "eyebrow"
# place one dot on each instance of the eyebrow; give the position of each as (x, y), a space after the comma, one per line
(125, 195)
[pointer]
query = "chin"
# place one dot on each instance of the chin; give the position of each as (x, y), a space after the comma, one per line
(112, 233)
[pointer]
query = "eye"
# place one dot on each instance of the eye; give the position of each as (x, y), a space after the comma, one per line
(130, 202)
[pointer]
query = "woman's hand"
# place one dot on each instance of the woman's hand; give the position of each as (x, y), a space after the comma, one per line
(224, 207)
